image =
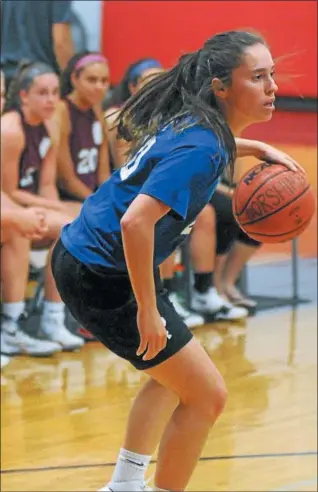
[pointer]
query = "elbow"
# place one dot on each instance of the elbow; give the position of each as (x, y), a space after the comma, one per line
(131, 223)
(127, 223)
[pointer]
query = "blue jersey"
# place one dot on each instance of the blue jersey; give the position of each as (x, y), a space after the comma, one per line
(181, 169)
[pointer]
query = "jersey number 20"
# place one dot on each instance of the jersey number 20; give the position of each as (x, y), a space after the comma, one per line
(88, 161)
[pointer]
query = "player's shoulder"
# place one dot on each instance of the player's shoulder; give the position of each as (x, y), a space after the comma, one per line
(11, 128)
(200, 137)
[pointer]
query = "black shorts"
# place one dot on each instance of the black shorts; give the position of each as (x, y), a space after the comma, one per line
(103, 303)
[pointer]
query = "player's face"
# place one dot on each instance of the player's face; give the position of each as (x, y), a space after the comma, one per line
(43, 95)
(3, 92)
(92, 83)
(251, 96)
(145, 77)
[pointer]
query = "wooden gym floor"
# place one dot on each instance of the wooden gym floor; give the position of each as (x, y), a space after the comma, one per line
(63, 418)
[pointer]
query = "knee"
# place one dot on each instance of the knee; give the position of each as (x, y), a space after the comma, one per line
(212, 402)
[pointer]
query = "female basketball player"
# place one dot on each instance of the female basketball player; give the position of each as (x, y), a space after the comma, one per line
(28, 158)
(82, 160)
(136, 76)
(203, 235)
(18, 227)
(106, 264)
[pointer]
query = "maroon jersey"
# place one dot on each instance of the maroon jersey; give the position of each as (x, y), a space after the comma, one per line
(85, 139)
(37, 144)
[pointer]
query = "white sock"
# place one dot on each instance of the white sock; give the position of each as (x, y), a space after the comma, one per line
(53, 308)
(13, 309)
(130, 466)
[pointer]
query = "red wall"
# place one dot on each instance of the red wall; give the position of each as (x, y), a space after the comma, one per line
(165, 29)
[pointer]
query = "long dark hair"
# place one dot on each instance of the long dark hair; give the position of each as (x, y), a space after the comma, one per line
(186, 90)
(121, 92)
(23, 78)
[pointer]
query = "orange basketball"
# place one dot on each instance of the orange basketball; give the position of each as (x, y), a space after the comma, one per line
(273, 204)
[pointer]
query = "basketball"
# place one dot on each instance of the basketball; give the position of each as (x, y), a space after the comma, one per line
(273, 204)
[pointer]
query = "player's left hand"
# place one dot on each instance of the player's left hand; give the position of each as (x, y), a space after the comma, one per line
(275, 156)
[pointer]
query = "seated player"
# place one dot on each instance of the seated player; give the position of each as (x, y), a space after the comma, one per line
(29, 139)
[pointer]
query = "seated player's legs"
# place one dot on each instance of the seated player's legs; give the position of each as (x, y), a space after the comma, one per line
(15, 253)
(167, 272)
(234, 249)
(205, 298)
(53, 318)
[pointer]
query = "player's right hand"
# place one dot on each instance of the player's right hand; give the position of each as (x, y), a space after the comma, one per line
(153, 334)
(33, 223)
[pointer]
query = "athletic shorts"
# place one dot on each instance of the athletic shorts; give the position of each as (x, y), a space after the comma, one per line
(103, 303)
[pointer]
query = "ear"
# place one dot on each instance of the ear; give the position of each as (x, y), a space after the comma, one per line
(219, 88)
(23, 95)
(74, 78)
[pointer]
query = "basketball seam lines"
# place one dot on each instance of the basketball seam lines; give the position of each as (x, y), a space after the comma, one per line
(283, 234)
(277, 210)
(260, 186)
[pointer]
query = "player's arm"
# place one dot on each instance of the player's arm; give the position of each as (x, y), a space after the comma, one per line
(61, 32)
(263, 151)
(29, 222)
(65, 166)
(137, 225)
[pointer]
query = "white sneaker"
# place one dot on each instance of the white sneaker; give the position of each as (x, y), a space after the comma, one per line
(133, 486)
(190, 319)
(54, 329)
(209, 303)
(231, 313)
(212, 303)
(14, 341)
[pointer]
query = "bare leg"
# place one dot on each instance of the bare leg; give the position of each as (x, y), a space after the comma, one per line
(203, 241)
(14, 268)
(167, 267)
(192, 376)
(238, 256)
(153, 422)
(73, 208)
(218, 273)
(55, 220)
